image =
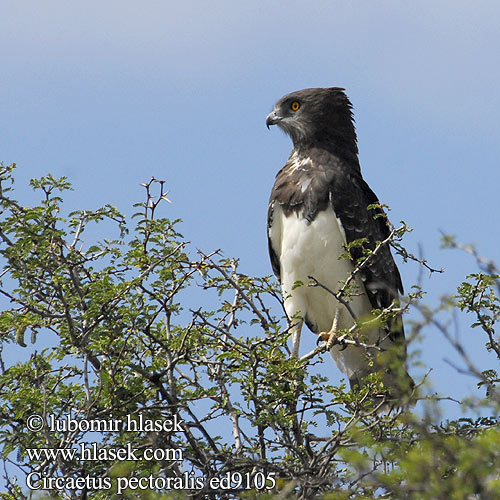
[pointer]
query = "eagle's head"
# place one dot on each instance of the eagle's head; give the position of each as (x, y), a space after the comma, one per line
(316, 117)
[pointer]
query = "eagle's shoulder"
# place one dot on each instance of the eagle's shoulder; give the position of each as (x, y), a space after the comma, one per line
(303, 185)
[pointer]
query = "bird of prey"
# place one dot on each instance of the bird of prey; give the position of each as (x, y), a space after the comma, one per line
(320, 209)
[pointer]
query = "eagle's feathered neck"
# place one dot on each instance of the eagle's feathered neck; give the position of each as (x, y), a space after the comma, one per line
(340, 143)
(338, 138)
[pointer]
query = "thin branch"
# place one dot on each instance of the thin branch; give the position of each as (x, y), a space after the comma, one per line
(243, 295)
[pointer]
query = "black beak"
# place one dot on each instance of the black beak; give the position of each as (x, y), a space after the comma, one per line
(272, 119)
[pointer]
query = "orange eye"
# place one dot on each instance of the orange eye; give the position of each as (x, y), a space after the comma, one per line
(295, 105)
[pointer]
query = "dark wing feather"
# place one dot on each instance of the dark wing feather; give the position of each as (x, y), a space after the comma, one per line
(275, 262)
(351, 196)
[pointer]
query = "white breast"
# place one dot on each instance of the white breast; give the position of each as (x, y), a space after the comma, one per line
(313, 250)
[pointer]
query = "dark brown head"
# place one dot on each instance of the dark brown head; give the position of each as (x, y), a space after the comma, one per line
(319, 117)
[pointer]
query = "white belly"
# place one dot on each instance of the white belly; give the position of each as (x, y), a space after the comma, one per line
(313, 250)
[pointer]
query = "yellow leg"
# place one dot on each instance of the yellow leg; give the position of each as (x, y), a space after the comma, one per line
(330, 336)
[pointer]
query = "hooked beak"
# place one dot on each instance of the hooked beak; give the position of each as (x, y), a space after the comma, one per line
(272, 118)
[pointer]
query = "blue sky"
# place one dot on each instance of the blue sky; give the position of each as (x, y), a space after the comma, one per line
(112, 93)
